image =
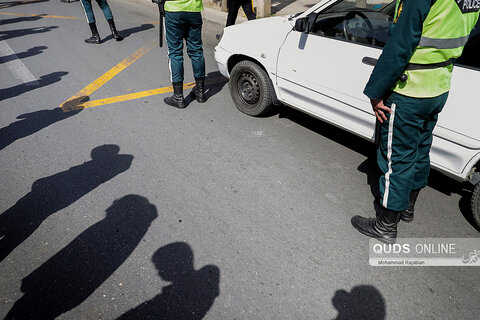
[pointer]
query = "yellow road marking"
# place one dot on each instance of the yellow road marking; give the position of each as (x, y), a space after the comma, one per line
(131, 96)
(38, 15)
(71, 103)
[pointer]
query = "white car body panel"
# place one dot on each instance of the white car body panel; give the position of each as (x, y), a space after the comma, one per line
(305, 75)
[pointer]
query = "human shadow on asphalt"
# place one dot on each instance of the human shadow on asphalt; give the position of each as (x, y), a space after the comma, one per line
(31, 123)
(54, 193)
(127, 32)
(9, 4)
(214, 83)
(21, 19)
(436, 180)
(45, 80)
(29, 53)
(9, 34)
(191, 292)
(362, 302)
(75, 272)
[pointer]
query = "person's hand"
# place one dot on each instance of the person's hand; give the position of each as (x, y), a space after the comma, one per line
(380, 109)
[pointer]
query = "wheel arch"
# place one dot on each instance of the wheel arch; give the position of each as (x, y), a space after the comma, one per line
(236, 58)
(472, 170)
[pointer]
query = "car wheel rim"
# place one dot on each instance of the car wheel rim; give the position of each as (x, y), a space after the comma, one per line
(248, 88)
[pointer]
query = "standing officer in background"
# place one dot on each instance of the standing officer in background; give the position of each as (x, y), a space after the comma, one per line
(87, 8)
(234, 5)
(183, 20)
(407, 89)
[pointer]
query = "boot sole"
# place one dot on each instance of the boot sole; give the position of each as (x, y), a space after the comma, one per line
(384, 240)
(369, 234)
(175, 105)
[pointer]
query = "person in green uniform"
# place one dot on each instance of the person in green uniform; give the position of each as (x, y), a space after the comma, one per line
(87, 8)
(183, 21)
(408, 89)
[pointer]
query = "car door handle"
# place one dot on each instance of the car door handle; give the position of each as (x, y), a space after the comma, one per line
(369, 61)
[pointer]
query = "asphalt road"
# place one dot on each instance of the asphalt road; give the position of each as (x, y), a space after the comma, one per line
(137, 210)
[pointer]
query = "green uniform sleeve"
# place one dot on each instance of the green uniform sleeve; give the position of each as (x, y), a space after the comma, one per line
(400, 46)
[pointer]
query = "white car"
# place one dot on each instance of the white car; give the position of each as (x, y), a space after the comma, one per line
(319, 62)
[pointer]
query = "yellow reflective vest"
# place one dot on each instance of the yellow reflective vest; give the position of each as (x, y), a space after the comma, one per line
(184, 5)
(445, 32)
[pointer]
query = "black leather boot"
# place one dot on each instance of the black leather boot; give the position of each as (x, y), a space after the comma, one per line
(95, 38)
(384, 227)
(116, 35)
(177, 99)
(407, 215)
(199, 90)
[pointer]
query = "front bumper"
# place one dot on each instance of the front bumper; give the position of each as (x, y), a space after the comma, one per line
(221, 56)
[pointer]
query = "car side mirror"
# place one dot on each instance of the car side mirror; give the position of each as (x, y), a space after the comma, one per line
(301, 25)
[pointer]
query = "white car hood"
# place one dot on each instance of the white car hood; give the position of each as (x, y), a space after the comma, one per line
(259, 39)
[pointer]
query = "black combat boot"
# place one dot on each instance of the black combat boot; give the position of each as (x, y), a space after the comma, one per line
(116, 35)
(384, 227)
(407, 215)
(199, 90)
(177, 99)
(95, 38)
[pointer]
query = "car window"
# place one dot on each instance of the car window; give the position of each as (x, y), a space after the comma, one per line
(371, 5)
(362, 21)
(471, 51)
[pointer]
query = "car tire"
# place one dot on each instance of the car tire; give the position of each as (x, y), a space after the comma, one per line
(475, 204)
(250, 88)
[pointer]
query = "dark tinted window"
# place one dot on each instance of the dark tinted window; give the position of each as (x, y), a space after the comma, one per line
(471, 53)
(358, 26)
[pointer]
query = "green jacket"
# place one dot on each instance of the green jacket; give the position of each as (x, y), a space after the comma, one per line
(425, 32)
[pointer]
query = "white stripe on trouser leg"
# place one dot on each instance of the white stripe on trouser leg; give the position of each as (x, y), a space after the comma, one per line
(85, 11)
(168, 52)
(389, 156)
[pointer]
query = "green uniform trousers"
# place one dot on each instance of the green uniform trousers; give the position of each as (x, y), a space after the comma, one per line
(87, 8)
(405, 142)
(179, 26)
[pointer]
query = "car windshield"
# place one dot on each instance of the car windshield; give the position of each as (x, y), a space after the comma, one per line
(362, 5)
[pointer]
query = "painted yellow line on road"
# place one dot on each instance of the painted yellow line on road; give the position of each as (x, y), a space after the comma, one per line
(107, 76)
(131, 96)
(38, 15)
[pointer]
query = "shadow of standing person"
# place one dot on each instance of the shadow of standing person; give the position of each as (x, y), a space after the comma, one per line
(214, 83)
(31, 123)
(21, 19)
(191, 293)
(44, 81)
(127, 32)
(75, 272)
(362, 303)
(22, 55)
(9, 4)
(10, 34)
(57, 192)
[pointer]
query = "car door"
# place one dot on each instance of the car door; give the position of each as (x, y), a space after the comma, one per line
(462, 110)
(324, 71)
(459, 120)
